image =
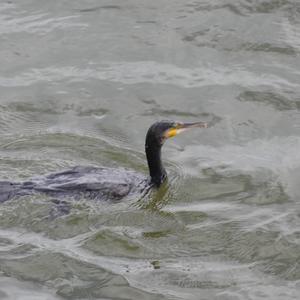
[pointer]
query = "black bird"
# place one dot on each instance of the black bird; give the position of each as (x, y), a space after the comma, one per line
(100, 182)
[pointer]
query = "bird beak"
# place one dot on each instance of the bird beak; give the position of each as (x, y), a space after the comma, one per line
(180, 127)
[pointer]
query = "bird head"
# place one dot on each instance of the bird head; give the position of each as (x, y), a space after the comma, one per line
(160, 131)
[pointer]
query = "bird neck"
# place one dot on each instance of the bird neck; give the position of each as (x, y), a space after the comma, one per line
(156, 169)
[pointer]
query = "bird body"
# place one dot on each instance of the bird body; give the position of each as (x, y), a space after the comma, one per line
(100, 182)
(81, 181)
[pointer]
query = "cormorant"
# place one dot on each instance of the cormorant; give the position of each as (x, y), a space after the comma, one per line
(100, 182)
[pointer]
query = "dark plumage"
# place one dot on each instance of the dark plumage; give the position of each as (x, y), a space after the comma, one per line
(99, 182)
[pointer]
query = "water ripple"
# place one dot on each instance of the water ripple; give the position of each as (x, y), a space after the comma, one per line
(37, 23)
(243, 8)
(277, 159)
(150, 72)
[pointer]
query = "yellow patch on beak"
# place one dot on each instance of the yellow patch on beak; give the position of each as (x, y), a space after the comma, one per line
(174, 131)
(180, 127)
(171, 132)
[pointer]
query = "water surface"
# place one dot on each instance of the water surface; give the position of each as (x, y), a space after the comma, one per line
(80, 83)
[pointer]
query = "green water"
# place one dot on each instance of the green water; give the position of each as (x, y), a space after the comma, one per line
(81, 82)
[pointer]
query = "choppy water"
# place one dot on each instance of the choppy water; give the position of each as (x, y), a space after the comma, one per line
(80, 83)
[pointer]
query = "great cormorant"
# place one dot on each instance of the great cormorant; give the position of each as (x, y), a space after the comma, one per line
(100, 182)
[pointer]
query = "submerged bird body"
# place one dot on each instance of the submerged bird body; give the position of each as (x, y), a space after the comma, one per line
(79, 182)
(99, 182)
